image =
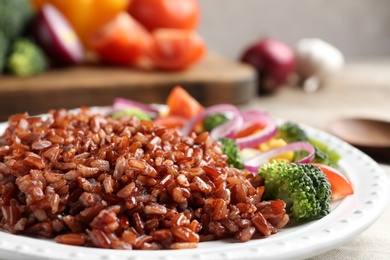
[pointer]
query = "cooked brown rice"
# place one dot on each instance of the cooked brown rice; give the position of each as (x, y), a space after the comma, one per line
(89, 180)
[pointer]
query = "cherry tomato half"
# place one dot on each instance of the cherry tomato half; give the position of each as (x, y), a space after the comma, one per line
(339, 184)
(170, 121)
(182, 104)
(154, 14)
(250, 129)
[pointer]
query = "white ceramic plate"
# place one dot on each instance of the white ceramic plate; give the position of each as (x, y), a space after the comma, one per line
(349, 217)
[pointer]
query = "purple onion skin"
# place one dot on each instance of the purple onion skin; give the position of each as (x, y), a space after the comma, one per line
(274, 62)
(57, 38)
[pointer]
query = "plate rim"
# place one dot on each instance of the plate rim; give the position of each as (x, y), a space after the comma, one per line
(319, 241)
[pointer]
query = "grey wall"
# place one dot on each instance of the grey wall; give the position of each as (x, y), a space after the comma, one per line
(359, 28)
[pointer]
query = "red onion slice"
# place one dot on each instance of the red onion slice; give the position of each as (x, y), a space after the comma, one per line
(122, 103)
(224, 130)
(254, 163)
(255, 139)
(56, 36)
(254, 115)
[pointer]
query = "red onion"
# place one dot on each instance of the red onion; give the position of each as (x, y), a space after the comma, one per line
(274, 62)
(255, 115)
(55, 35)
(255, 139)
(254, 163)
(227, 129)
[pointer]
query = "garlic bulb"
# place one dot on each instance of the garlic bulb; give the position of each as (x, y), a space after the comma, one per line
(316, 61)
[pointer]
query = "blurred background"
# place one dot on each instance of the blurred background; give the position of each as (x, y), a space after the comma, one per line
(359, 28)
(111, 50)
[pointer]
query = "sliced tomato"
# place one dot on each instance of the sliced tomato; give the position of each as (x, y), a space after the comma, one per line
(170, 121)
(176, 49)
(250, 129)
(181, 103)
(340, 185)
(123, 41)
(154, 14)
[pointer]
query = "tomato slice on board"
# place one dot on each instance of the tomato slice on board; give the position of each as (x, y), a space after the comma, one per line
(176, 49)
(340, 185)
(154, 14)
(123, 41)
(181, 103)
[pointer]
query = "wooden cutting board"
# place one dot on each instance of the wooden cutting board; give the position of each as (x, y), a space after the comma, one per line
(215, 80)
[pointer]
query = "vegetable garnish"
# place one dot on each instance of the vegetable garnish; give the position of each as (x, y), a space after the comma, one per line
(122, 103)
(252, 139)
(303, 187)
(181, 103)
(254, 163)
(339, 184)
(226, 129)
(255, 139)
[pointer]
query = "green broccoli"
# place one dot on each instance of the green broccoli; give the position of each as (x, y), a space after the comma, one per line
(304, 188)
(140, 114)
(3, 50)
(26, 59)
(214, 120)
(231, 149)
(291, 132)
(15, 16)
(330, 157)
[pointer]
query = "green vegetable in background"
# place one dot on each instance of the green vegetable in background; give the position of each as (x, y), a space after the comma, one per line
(3, 50)
(140, 114)
(212, 121)
(26, 59)
(291, 132)
(231, 149)
(304, 188)
(14, 17)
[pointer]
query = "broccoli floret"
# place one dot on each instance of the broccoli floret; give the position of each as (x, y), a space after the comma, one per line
(140, 114)
(15, 15)
(3, 50)
(291, 132)
(304, 188)
(231, 149)
(212, 121)
(26, 59)
(323, 154)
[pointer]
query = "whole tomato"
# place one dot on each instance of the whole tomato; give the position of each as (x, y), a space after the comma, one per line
(177, 14)
(176, 49)
(123, 41)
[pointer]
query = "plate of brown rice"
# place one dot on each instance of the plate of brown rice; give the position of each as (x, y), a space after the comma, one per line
(80, 185)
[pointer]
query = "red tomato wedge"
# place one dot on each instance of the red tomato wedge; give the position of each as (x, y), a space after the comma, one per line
(339, 184)
(181, 103)
(123, 41)
(170, 121)
(249, 130)
(176, 49)
(154, 14)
